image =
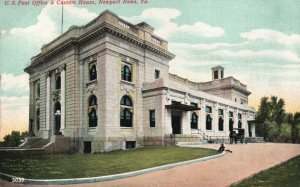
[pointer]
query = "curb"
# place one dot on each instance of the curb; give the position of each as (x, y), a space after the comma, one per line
(10, 178)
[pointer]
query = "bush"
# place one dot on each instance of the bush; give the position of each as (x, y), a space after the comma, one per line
(14, 139)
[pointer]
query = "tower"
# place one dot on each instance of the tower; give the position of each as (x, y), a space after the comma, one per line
(217, 72)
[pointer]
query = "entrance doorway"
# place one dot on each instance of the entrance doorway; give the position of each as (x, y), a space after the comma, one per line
(176, 121)
(57, 118)
(249, 130)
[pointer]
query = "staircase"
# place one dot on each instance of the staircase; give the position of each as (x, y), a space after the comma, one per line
(38, 144)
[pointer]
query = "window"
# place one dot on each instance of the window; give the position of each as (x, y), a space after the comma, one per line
(221, 120)
(208, 109)
(93, 119)
(231, 124)
(194, 121)
(208, 122)
(38, 90)
(157, 74)
(152, 118)
(220, 112)
(216, 74)
(126, 73)
(125, 112)
(221, 124)
(240, 121)
(58, 82)
(231, 121)
(93, 72)
(38, 119)
(194, 104)
(222, 74)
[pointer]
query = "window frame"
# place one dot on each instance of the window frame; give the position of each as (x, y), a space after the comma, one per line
(157, 74)
(194, 120)
(93, 66)
(126, 110)
(152, 118)
(126, 72)
(92, 109)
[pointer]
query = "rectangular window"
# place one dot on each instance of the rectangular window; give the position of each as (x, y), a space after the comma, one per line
(152, 118)
(216, 74)
(126, 72)
(208, 109)
(157, 72)
(220, 112)
(231, 114)
(194, 104)
(222, 74)
(240, 116)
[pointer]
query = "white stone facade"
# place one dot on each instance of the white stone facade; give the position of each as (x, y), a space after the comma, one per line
(62, 87)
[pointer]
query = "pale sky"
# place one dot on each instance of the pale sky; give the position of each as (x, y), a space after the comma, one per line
(257, 41)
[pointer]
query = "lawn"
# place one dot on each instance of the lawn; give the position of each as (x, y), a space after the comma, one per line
(91, 165)
(287, 174)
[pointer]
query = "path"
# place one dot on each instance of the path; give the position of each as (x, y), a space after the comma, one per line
(245, 160)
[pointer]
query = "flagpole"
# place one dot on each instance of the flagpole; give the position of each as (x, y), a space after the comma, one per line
(62, 17)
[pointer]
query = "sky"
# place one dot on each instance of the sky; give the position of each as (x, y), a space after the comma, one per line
(257, 41)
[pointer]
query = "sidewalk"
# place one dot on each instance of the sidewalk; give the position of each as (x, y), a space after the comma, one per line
(245, 160)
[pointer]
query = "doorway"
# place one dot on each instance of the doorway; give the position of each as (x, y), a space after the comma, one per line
(57, 109)
(176, 122)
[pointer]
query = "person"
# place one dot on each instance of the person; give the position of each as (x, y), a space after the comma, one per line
(222, 148)
(231, 137)
(235, 137)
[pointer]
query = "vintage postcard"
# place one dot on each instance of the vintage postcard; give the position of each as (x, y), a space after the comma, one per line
(154, 76)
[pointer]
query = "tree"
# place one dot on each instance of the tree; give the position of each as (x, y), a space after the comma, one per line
(285, 132)
(14, 139)
(269, 117)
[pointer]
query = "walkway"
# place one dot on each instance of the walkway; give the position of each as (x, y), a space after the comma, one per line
(245, 160)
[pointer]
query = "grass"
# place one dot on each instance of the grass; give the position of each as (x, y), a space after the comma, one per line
(287, 174)
(91, 165)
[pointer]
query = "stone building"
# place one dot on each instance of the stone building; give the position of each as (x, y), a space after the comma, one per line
(106, 86)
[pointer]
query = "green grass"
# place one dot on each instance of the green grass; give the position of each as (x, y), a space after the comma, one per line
(287, 174)
(91, 165)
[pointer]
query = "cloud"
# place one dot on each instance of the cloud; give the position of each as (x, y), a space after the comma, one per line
(2, 32)
(162, 20)
(47, 26)
(16, 83)
(269, 54)
(202, 46)
(271, 36)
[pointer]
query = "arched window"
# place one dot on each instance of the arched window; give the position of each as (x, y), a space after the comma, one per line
(126, 73)
(38, 119)
(58, 82)
(93, 72)
(208, 122)
(93, 119)
(194, 121)
(231, 124)
(126, 115)
(126, 101)
(221, 124)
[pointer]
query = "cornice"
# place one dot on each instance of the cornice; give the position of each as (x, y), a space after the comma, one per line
(99, 30)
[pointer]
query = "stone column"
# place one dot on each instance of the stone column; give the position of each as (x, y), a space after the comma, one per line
(62, 97)
(48, 93)
(253, 129)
